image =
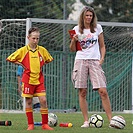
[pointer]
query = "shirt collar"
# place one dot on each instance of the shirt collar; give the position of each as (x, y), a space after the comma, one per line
(28, 47)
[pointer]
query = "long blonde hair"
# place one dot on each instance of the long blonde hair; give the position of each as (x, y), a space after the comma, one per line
(93, 23)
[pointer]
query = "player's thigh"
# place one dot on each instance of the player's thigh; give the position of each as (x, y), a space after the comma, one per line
(27, 90)
(40, 90)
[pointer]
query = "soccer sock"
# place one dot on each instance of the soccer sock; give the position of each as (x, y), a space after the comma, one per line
(29, 114)
(44, 114)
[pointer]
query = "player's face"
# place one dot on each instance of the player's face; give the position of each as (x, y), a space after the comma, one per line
(34, 38)
(88, 17)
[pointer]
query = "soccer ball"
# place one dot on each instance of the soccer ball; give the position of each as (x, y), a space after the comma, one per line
(118, 122)
(96, 121)
(52, 120)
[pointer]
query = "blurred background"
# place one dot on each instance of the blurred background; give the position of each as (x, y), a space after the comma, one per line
(54, 18)
(107, 10)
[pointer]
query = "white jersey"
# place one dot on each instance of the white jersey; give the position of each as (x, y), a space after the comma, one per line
(89, 43)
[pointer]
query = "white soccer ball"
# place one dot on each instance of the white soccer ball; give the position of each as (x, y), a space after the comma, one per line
(118, 122)
(96, 121)
(52, 119)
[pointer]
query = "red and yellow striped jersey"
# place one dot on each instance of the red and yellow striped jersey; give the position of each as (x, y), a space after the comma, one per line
(32, 61)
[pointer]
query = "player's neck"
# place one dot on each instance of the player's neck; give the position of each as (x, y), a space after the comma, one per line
(33, 46)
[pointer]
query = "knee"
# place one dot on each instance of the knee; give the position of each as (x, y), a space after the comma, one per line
(29, 101)
(43, 100)
(83, 93)
(103, 93)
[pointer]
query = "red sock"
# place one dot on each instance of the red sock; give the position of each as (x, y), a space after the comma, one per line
(29, 114)
(44, 113)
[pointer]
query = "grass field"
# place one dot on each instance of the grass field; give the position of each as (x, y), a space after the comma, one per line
(19, 124)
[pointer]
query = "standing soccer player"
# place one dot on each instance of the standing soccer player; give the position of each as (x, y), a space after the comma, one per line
(88, 61)
(32, 57)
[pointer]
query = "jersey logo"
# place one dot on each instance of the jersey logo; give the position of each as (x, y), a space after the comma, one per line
(86, 41)
(40, 59)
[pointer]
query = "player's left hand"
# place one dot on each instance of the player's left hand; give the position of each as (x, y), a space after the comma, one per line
(101, 61)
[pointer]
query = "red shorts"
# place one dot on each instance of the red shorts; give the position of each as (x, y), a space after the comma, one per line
(29, 90)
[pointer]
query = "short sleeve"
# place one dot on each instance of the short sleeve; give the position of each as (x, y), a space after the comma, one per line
(99, 28)
(15, 57)
(46, 55)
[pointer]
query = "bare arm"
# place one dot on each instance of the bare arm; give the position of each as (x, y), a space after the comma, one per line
(102, 47)
(18, 63)
(73, 43)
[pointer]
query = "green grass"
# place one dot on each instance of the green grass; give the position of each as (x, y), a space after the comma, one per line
(19, 124)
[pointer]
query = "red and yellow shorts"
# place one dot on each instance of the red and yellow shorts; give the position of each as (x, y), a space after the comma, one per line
(29, 90)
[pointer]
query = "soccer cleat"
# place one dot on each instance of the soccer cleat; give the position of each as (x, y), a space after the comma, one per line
(46, 127)
(30, 127)
(86, 124)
